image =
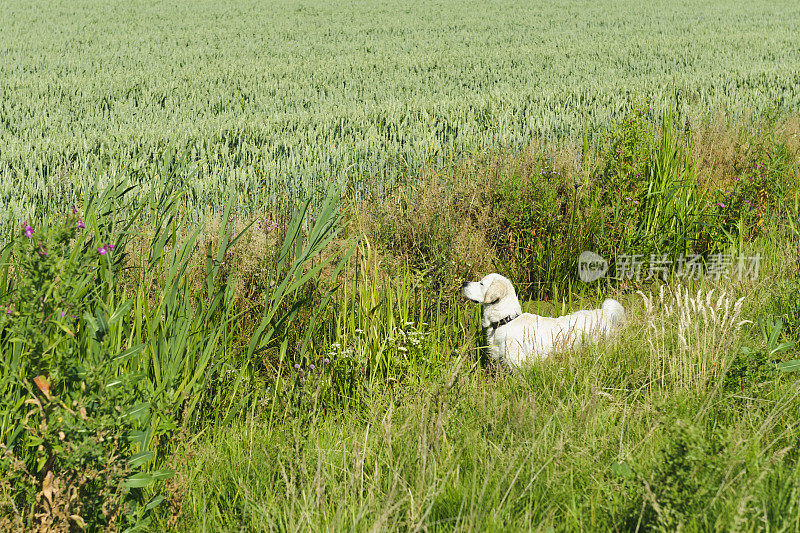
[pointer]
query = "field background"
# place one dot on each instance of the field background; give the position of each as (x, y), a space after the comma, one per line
(276, 98)
(187, 345)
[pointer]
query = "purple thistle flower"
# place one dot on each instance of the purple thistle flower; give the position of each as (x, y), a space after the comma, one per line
(81, 225)
(102, 250)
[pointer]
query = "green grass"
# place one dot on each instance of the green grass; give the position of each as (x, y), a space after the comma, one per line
(275, 99)
(688, 420)
(623, 435)
(245, 358)
(322, 372)
(639, 433)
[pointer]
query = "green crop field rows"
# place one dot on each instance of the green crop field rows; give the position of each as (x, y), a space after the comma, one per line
(281, 98)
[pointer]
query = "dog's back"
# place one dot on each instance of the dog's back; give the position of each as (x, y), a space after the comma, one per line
(587, 325)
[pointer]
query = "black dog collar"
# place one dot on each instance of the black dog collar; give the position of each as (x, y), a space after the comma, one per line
(503, 322)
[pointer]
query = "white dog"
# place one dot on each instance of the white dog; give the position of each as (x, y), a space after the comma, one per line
(514, 337)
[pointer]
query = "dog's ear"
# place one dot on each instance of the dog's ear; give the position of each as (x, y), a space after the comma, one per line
(497, 290)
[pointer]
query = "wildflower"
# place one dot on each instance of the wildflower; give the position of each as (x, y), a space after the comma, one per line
(326, 360)
(81, 225)
(312, 367)
(8, 311)
(110, 246)
(63, 314)
(74, 211)
(102, 250)
(28, 230)
(297, 366)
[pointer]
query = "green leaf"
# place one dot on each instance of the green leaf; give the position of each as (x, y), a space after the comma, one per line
(161, 475)
(138, 481)
(154, 502)
(782, 348)
(130, 352)
(140, 458)
(789, 366)
(121, 311)
(137, 412)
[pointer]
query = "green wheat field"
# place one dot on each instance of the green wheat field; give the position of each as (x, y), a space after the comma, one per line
(284, 98)
(234, 234)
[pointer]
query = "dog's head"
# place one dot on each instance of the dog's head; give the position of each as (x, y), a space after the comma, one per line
(497, 296)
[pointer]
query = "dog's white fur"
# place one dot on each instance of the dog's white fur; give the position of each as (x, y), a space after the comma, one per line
(530, 337)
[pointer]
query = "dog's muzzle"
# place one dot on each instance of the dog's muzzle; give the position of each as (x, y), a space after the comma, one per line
(464, 286)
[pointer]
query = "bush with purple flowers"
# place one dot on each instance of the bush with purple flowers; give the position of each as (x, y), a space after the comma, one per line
(750, 196)
(66, 444)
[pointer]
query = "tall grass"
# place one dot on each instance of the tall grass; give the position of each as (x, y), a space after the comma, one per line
(368, 95)
(690, 335)
(575, 443)
(318, 369)
(685, 422)
(674, 205)
(115, 376)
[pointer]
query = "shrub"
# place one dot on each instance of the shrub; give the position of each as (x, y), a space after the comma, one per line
(67, 438)
(541, 227)
(626, 155)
